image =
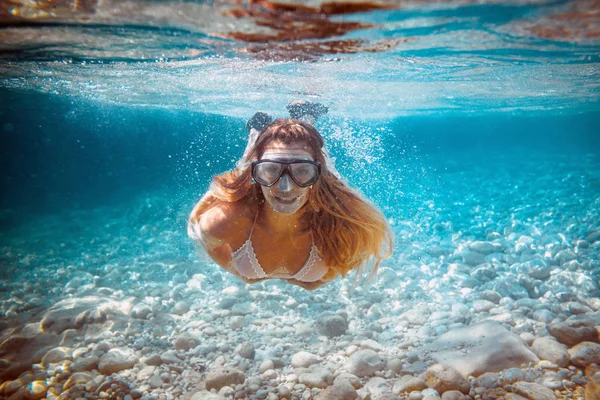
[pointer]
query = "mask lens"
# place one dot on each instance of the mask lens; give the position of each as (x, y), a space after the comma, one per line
(267, 173)
(304, 174)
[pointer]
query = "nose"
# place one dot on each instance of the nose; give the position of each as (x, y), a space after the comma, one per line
(285, 183)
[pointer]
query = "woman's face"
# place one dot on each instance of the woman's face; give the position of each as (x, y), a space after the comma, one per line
(285, 196)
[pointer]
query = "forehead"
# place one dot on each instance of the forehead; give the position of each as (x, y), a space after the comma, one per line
(277, 149)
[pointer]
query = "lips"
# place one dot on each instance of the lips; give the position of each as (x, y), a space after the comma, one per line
(286, 200)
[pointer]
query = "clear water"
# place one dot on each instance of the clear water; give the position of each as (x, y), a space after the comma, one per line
(463, 121)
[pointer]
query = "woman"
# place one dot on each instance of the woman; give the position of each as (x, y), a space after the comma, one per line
(284, 214)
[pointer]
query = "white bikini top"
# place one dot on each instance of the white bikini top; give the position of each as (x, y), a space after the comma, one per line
(245, 262)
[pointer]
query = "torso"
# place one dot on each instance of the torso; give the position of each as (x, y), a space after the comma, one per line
(273, 250)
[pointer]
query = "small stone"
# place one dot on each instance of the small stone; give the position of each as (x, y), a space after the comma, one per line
(533, 391)
(585, 353)
(140, 311)
(318, 377)
(304, 359)
(170, 357)
(237, 322)
(78, 378)
(35, 390)
(365, 363)
(572, 332)
(408, 384)
(85, 364)
(220, 377)
(332, 325)
(454, 395)
(340, 390)
(592, 389)
(443, 379)
(246, 350)
(56, 355)
(547, 349)
(184, 342)
(116, 360)
(489, 380)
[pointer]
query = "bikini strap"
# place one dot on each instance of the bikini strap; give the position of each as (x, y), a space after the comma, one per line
(253, 225)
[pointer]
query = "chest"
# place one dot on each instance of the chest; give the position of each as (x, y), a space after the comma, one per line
(280, 253)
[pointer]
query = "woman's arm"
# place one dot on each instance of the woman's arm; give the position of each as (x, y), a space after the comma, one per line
(213, 231)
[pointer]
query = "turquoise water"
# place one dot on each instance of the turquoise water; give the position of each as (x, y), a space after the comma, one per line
(473, 127)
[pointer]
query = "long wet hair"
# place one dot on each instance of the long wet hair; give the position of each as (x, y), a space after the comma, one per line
(350, 233)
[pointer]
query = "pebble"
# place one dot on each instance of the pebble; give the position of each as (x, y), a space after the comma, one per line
(116, 360)
(585, 353)
(548, 349)
(304, 359)
(533, 391)
(364, 363)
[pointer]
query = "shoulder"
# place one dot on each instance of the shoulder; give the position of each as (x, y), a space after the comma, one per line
(226, 220)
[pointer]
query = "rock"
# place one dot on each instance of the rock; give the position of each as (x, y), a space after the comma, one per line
(237, 322)
(220, 377)
(76, 313)
(85, 364)
(184, 342)
(454, 395)
(204, 395)
(513, 396)
(116, 360)
(585, 353)
(342, 389)
(141, 311)
(304, 359)
(146, 373)
(430, 394)
(483, 306)
(56, 355)
(548, 349)
(512, 375)
(376, 386)
(496, 393)
(371, 344)
(246, 350)
(353, 379)
(490, 295)
(332, 325)
(472, 257)
(537, 269)
(416, 315)
(480, 348)
(243, 309)
(408, 384)
(485, 248)
(543, 315)
(180, 308)
(443, 379)
(78, 378)
(533, 391)
(489, 380)
(318, 377)
(572, 332)
(170, 357)
(35, 390)
(592, 389)
(593, 236)
(364, 363)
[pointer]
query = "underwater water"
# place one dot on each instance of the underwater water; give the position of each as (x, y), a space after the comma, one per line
(473, 126)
